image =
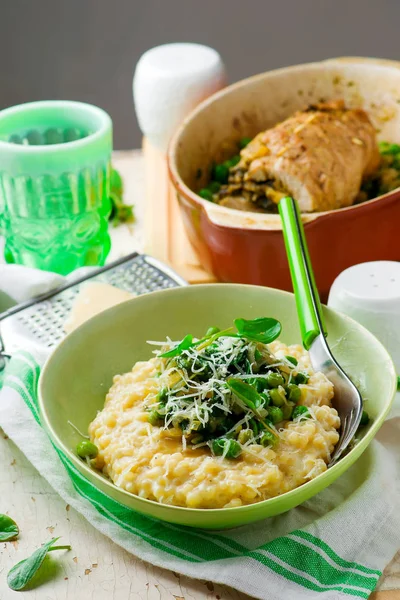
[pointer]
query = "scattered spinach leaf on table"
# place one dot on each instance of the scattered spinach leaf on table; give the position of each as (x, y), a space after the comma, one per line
(22, 573)
(8, 528)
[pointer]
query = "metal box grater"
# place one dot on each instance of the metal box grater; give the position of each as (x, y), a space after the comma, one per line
(37, 325)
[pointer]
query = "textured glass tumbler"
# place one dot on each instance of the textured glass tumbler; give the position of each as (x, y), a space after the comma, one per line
(54, 184)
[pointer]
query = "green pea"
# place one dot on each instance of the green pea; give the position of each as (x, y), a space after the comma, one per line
(294, 392)
(277, 397)
(244, 141)
(231, 448)
(221, 173)
(287, 410)
(268, 439)
(245, 436)
(212, 331)
(364, 418)
(86, 449)
(154, 417)
(275, 414)
(300, 411)
(292, 359)
(206, 194)
(274, 380)
(214, 186)
(301, 378)
(232, 162)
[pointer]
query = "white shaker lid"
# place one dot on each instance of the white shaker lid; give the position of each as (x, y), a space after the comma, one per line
(370, 294)
(169, 81)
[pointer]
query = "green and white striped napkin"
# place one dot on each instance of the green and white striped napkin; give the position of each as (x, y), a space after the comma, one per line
(333, 546)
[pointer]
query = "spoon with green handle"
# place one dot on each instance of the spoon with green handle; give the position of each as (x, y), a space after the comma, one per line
(347, 399)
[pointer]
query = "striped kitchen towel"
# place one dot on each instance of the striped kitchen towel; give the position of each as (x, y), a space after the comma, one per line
(333, 546)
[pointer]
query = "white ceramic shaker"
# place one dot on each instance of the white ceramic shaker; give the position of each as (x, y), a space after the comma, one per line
(169, 81)
(370, 294)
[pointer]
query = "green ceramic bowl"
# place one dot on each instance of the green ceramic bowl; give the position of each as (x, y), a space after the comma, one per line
(78, 374)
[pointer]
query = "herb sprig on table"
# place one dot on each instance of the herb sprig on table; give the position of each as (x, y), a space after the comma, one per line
(21, 574)
(120, 212)
(8, 528)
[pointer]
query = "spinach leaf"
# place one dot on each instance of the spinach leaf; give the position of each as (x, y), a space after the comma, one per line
(8, 528)
(21, 573)
(186, 343)
(245, 392)
(212, 337)
(264, 329)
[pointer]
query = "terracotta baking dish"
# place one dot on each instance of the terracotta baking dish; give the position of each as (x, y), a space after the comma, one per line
(248, 247)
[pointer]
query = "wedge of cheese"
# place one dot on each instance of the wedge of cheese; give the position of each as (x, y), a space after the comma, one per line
(93, 298)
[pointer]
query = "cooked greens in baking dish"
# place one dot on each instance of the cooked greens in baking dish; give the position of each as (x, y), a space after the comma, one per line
(326, 157)
(229, 419)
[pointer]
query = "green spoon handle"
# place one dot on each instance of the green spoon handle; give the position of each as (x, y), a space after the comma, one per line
(308, 303)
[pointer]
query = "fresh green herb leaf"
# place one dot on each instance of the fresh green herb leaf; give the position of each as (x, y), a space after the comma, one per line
(245, 392)
(292, 359)
(116, 184)
(206, 194)
(209, 338)
(387, 148)
(300, 411)
(185, 344)
(232, 162)
(264, 329)
(8, 528)
(212, 331)
(226, 447)
(220, 173)
(244, 142)
(120, 212)
(398, 383)
(21, 573)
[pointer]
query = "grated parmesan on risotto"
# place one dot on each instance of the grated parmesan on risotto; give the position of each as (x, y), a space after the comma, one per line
(179, 429)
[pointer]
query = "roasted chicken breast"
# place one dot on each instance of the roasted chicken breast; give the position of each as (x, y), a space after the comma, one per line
(319, 156)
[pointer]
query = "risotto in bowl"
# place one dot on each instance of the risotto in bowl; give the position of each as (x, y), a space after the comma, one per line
(204, 426)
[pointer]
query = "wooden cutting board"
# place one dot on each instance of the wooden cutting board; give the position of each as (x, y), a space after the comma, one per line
(165, 236)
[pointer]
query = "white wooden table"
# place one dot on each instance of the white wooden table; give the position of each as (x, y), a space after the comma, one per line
(96, 568)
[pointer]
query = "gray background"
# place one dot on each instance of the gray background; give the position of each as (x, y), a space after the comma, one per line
(87, 49)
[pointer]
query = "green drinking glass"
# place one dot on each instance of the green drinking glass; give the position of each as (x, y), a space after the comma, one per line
(54, 184)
